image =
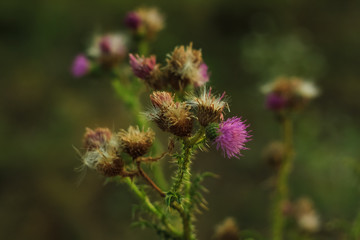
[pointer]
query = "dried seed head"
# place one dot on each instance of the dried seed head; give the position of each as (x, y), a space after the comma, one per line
(209, 108)
(111, 168)
(94, 139)
(185, 66)
(136, 143)
(227, 230)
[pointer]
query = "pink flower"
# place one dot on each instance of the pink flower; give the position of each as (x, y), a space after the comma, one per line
(141, 66)
(80, 66)
(232, 137)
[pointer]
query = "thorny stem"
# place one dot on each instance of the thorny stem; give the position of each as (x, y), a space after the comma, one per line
(130, 96)
(145, 200)
(282, 189)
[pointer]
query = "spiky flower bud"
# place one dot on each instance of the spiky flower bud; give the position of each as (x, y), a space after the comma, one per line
(209, 109)
(170, 116)
(230, 135)
(289, 93)
(227, 230)
(81, 66)
(94, 139)
(151, 21)
(136, 143)
(101, 152)
(185, 66)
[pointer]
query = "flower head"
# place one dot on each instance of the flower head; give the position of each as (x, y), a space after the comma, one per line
(171, 116)
(81, 66)
(94, 139)
(209, 108)
(232, 135)
(108, 49)
(132, 20)
(101, 152)
(141, 66)
(227, 230)
(288, 93)
(185, 66)
(136, 143)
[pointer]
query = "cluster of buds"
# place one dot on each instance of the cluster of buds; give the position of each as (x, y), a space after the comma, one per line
(105, 51)
(178, 118)
(104, 150)
(145, 22)
(185, 67)
(288, 93)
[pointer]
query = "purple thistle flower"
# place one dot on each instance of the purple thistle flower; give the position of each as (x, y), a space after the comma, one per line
(275, 101)
(203, 75)
(141, 66)
(232, 137)
(132, 20)
(80, 66)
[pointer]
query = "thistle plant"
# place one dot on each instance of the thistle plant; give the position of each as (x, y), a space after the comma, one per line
(285, 96)
(181, 105)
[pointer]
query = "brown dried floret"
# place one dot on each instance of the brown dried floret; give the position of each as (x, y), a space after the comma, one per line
(136, 143)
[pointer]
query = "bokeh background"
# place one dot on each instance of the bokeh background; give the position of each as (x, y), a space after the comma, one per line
(44, 110)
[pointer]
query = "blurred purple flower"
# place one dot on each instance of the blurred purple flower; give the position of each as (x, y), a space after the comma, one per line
(141, 66)
(275, 102)
(132, 20)
(203, 75)
(232, 137)
(80, 66)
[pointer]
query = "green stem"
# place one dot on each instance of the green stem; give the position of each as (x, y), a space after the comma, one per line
(146, 201)
(282, 189)
(130, 96)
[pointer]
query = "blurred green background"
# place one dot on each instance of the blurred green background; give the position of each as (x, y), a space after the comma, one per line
(44, 111)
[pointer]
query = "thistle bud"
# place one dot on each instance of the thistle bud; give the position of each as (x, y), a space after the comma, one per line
(109, 49)
(289, 93)
(161, 100)
(170, 116)
(151, 21)
(94, 139)
(136, 143)
(111, 168)
(209, 108)
(185, 66)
